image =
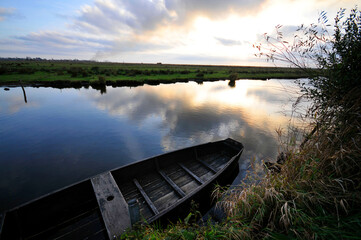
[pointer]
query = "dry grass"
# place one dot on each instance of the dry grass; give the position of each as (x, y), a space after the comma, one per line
(318, 188)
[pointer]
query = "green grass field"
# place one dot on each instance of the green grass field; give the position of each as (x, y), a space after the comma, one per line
(48, 72)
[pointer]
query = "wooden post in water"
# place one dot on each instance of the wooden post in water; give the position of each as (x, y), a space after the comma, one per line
(133, 211)
(26, 101)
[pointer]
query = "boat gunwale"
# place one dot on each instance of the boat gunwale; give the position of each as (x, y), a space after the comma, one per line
(168, 153)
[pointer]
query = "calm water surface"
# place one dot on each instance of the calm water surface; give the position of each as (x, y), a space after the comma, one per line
(62, 136)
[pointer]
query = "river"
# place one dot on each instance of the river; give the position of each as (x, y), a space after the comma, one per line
(61, 136)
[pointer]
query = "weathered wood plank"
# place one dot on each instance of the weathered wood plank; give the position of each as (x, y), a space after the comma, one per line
(134, 193)
(181, 178)
(191, 173)
(217, 161)
(189, 187)
(157, 193)
(149, 179)
(197, 168)
(145, 196)
(112, 204)
(171, 183)
(207, 165)
(155, 185)
(166, 201)
(207, 176)
(175, 172)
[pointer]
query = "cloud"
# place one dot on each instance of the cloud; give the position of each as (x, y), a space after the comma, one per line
(145, 15)
(213, 9)
(174, 110)
(133, 30)
(59, 40)
(7, 12)
(124, 16)
(195, 58)
(140, 26)
(229, 42)
(51, 43)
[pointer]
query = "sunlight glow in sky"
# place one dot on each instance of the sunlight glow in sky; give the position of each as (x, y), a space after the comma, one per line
(167, 31)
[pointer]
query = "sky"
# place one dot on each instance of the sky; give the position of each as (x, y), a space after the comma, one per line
(218, 32)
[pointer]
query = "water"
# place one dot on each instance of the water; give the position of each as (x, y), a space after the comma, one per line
(62, 136)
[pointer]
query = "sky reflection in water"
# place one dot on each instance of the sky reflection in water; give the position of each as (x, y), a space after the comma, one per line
(63, 136)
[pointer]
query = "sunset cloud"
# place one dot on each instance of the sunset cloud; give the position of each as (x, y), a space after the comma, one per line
(145, 15)
(173, 31)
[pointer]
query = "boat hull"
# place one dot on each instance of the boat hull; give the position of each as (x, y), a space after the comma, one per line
(162, 187)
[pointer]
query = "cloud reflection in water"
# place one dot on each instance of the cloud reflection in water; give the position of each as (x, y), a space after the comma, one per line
(188, 113)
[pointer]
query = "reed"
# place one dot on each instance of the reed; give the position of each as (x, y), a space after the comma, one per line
(317, 193)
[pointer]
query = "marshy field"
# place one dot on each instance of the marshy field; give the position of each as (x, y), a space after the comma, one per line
(74, 73)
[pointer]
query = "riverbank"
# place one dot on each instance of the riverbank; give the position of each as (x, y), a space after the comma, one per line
(87, 73)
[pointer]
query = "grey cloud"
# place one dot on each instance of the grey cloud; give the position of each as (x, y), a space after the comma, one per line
(229, 42)
(7, 12)
(56, 39)
(138, 46)
(210, 8)
(116, 16)
(144, 15)
(200, 59)
(53, 43)
(126, 24)
(125, 20)
(133, 47)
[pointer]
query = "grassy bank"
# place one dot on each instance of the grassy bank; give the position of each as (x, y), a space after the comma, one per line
(86, 72)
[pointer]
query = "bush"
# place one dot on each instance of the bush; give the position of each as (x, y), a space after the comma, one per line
(200, 75)
(95, 69)
(75, 71)
(101, 80)
(233, 76)
(26, 70)
(5, 70)
(59, 72)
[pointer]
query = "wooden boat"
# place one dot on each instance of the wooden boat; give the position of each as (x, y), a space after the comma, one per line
(156, 189)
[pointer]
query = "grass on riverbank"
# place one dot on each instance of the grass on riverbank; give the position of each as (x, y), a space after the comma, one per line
(316, 194)
(85, 71)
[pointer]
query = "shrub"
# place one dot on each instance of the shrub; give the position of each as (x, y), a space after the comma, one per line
(95, 69)
(26, 70)
(4, 70)
(185, 72)
(200, 75)
(101, 80)
(75, 71)
(233, 76)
